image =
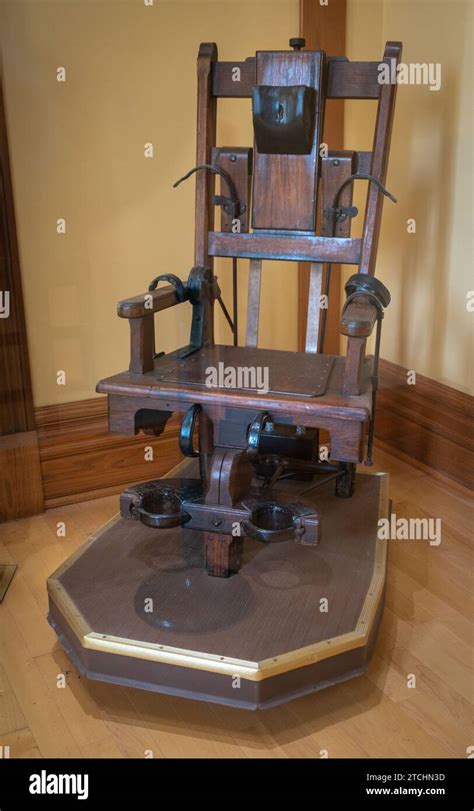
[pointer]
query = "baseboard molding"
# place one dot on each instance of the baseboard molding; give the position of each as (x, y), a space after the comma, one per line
(428, 422)
(21, 491)
(81, 460)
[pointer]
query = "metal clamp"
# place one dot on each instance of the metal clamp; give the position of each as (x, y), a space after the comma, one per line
(171, 279)
(187, 430)
(270, 523)
(253, 434)
(232, 205)
(160, 520)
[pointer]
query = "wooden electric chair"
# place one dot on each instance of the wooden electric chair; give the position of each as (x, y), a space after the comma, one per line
(257, 475)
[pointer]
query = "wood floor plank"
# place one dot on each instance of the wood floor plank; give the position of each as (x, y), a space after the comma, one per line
(21, 744)
(77, 706)
(11, 715)
(422, 607)
(132, 735)
(48, 726)
(428, 680)
(30, 619)
(171, 730)
(249, 730)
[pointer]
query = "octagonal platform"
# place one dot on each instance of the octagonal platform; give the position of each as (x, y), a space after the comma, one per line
(135, 606)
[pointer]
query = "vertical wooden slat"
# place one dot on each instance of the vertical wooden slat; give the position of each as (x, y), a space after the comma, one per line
(206, 139)
(253, 302)
(324, 28)
(380, 154)
(204, 212)
(334, 170)
(314, 307)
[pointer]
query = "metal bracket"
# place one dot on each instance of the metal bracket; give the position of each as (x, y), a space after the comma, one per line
(199, 290)
(187, 431)
(232, 205)
(344, 212)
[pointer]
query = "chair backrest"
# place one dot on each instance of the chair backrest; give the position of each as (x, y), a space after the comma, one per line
(289, 91)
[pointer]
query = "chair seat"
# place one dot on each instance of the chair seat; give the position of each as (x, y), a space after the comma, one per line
(248, 369)
(302, 382)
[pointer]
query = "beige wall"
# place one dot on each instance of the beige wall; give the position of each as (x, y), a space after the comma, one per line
(77, 153)
(427, 327)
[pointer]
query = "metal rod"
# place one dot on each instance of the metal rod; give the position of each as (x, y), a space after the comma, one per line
(226, 313)
(235, 301)
(375, 384)
(320, 483)
(268, 483)
(362, 176)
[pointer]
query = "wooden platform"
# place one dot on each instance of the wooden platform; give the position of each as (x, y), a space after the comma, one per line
(134, 606)
(426, 629)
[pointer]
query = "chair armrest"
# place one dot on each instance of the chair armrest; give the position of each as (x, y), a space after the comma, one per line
(140, 311)
(357, 322)
(148, 303)
(358, 318)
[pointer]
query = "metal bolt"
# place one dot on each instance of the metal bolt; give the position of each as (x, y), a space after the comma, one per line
(233, 158)
(335, 163)
(216, 522)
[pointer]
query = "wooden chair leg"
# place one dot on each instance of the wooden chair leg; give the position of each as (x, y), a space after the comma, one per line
(354, 365)
(223, 554)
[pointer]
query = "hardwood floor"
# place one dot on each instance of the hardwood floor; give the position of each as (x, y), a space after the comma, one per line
(426, 631)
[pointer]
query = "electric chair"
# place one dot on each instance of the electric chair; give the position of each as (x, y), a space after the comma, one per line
(252, 573)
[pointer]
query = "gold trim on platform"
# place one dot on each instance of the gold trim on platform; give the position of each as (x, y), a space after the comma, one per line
(225, 665)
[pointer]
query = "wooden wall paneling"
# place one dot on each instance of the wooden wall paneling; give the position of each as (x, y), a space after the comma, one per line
(324, 28)
(427, 422)
(81, 460)
(20, 478)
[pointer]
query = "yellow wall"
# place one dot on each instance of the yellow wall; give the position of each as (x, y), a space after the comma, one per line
(427, 327)
(77, 152)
